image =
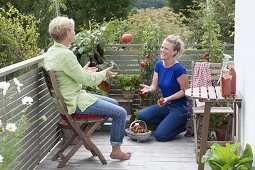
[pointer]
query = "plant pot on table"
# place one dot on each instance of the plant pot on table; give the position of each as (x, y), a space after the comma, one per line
(128, 94)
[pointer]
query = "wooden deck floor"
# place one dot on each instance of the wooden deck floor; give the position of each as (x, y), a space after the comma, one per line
(177, 154)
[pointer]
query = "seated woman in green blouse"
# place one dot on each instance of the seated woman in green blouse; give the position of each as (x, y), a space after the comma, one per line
(71, 76)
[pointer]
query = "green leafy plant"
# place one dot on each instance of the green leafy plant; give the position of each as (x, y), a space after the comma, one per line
(18, 40)
(212, 33)
(89, 45)
(226, 157)
(127, 82)
(151, 38)
(13, 129)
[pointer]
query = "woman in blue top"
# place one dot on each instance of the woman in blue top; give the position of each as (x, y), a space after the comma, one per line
(171, 78)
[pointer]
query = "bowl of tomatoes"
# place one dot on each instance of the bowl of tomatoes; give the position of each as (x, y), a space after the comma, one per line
(138, 131)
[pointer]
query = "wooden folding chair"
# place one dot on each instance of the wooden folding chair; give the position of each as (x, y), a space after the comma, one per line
(83, 125)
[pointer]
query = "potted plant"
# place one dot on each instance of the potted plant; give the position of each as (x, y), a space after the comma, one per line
(226, 157)
(89, 45)
(219, 126)
(128, 84)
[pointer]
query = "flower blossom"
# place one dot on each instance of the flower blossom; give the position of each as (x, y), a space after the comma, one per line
(11, 127)
(27, 100)
(1, 158)
(44, 118)
(18, 84)
(5, 86)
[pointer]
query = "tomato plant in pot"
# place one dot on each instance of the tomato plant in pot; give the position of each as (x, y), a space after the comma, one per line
(128, 84)
(220, 124)
(151, 37)
(89, 45)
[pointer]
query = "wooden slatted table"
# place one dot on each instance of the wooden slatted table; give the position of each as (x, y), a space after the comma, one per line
(211, 95)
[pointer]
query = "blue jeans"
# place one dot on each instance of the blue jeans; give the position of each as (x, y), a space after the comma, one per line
(171, 120)
(110, 108)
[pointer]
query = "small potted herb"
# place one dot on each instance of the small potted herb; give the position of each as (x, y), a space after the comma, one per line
(128, 84)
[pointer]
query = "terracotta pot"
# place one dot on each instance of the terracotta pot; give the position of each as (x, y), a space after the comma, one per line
(222, 132)
(104, 86)
(128, 94)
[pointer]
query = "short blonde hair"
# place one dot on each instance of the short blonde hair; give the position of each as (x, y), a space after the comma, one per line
(177, 43)
(59, 27)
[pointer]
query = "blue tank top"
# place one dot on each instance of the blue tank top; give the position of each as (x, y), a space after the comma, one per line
(167, 80)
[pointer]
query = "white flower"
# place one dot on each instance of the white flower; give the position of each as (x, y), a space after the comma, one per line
(11, 127)
(27, 100)
(5, 86)
(1, 158)
(44, 118)
(18, 84)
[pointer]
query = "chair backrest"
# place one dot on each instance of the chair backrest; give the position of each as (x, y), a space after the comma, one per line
(52, 85)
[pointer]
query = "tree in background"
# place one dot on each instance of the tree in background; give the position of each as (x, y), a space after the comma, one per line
(224, 16)
(180, 6)
(150, 3)
(18, 40)
(82, 11)
(169, 23)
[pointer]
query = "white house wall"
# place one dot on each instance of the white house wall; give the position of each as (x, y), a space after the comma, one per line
(245, 66)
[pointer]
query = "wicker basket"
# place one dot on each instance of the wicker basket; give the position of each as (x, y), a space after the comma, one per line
(139, 137)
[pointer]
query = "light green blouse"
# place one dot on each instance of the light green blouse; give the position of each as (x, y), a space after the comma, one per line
(71, 76)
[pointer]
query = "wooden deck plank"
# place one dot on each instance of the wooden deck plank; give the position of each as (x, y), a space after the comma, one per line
(177, 154)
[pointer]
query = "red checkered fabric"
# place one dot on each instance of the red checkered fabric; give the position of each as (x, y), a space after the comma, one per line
(202, 75)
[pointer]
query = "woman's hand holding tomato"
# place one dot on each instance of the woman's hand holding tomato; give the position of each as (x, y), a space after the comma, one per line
(161, 102)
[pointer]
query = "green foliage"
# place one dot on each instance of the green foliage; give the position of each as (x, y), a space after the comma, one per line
(94, 90)
(226, 158)
(167, 21)
(180, 6)
(89, 44)
(151, 37)
(211, 37)
(13, 126)
(224, 16)
(217, 119)
(127, 82)
(18, 40)
(10, 144)
(82, 11)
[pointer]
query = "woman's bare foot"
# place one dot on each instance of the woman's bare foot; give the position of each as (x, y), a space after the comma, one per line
(121, 155)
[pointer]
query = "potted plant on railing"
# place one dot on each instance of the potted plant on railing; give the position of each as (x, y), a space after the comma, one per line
(128, 84)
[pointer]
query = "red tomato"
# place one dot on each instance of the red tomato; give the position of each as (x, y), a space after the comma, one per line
(142, 64)
(161, 101)
(140, 91)
(206, 56)
(126, 38)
